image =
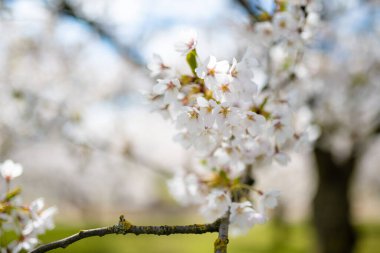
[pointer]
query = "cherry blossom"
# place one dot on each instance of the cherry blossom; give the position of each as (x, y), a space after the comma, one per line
(10, 170)
(213, 71)
(284, 24)
(269, 199)
(157, 66)
(218, 203)
(187, 42)
(25, 221)
(236, 116)
(169, 88)
(185, 188)
(244, 216)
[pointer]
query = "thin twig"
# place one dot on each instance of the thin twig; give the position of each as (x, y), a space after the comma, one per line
(124, 227)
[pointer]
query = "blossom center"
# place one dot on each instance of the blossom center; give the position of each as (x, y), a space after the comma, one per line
(225, 111)
(193, 115)
(170, 85)
(211, 72)
(225, 88)
(282, 24)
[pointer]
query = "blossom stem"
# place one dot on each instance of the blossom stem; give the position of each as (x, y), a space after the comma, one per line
(124, 227)
(7, 185)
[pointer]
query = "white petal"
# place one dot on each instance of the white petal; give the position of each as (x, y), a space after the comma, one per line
(211, 62)
(159, 88)
(282, 158)
(222, 67)
(202, 102)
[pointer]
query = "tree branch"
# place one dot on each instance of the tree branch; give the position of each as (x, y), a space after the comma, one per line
(221, 242)
(124, 227)
(64, 7)
(250, 8)
(246, 6)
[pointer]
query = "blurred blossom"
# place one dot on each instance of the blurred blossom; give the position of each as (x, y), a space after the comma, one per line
(157, 66)
(218, 203)
(10, 170)
(243, 217)
(269, 199)
(24, 221)
(188, 41)
(344, 100)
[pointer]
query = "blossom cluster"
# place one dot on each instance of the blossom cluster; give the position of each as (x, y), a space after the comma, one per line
(20, 224)
(344, 100)
(233, 119)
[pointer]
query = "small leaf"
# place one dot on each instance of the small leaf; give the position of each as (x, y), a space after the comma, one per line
(191, 59)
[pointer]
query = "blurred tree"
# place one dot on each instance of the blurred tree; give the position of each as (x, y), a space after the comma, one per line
(63, 87)
(346, 106)
(332, 206)
(348, 113)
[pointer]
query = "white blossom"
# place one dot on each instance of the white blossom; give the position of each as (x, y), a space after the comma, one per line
(10, 170)
(189, 119)
(265, 31)
(184, 138)
(206, 141)
(213, 71)
(168, 88)
(218, 203)
(187, 42)
(27, 222)
(226, 116)
(27, 243)
(157, 66)
(40, 223)
(254, 123)
(243, 216)
(284, 24)
(185, 188)
(270, 199)
(207, 111)
(281, 130)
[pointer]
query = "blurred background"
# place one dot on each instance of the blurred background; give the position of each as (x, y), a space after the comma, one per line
(72, 112)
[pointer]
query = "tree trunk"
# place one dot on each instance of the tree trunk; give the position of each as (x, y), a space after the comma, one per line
(332, 209)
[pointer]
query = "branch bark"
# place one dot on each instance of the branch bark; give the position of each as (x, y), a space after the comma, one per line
(124, 227)
(221, 242)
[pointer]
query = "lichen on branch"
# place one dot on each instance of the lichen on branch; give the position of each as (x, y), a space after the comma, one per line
(124, 227)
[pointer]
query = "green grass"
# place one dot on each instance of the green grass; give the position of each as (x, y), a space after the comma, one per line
(269, 238)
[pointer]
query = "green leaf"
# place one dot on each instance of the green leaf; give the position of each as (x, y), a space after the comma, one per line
(191, 59)
(13, 193)
(261, 108)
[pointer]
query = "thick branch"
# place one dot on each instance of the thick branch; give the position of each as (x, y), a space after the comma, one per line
(124, 227)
